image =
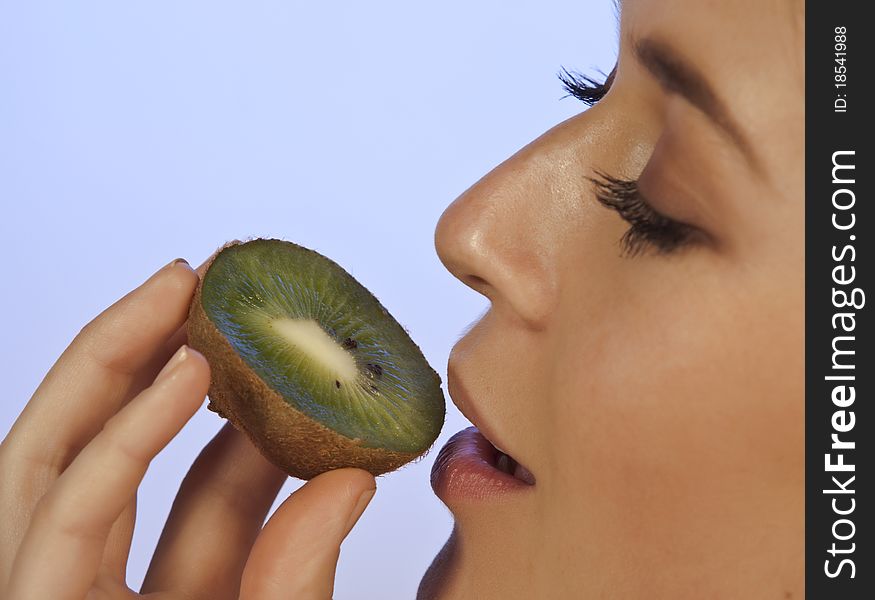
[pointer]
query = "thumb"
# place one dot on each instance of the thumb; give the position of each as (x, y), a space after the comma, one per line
(295, 555)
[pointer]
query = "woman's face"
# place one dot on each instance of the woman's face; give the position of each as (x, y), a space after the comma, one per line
(652, 386)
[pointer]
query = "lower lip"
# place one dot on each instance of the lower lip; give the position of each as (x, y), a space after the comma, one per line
(464, 470)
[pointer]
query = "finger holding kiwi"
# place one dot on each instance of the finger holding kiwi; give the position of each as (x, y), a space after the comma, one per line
(309, 364)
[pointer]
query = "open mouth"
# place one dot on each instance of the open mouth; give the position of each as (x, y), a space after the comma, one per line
(508, 464)
(470, 467)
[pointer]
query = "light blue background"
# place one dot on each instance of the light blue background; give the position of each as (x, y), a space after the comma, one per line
(135, 132)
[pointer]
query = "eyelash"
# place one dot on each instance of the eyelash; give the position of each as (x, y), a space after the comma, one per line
(583, 87)
(647, 227)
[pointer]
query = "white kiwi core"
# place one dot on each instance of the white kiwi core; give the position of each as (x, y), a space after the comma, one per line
(307, 336)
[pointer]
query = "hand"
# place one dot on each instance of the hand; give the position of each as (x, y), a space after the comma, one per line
(73, 460)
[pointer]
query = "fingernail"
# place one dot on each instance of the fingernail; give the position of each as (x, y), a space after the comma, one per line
(176, 261)
(359, 508)
(174, 362)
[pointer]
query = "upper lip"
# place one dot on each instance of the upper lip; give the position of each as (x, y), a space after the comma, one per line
(461, 399)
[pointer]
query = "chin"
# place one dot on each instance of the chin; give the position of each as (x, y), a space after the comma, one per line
(438, 578)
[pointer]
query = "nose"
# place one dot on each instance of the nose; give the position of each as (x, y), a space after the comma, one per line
(502, 235)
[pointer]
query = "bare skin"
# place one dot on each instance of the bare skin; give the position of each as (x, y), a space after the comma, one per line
(73, 460)
(657, 397)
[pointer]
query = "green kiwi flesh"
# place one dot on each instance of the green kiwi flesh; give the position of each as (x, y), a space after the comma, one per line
(308, 363)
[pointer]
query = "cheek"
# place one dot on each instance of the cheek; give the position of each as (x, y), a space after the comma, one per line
(678, 392)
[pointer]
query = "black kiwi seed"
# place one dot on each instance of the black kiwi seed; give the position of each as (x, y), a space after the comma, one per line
(374, 370)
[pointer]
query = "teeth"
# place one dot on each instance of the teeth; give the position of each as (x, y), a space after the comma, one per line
(506, 463)
(503, 463)
(509, 465)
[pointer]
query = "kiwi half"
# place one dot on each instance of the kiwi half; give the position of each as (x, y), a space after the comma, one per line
(308, 363)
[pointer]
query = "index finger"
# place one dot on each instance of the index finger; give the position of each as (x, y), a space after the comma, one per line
(90, 380)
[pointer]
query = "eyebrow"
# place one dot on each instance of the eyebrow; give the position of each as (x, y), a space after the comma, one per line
(678, 76)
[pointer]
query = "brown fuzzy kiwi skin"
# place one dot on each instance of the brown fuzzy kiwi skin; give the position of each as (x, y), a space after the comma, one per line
(294, 442)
